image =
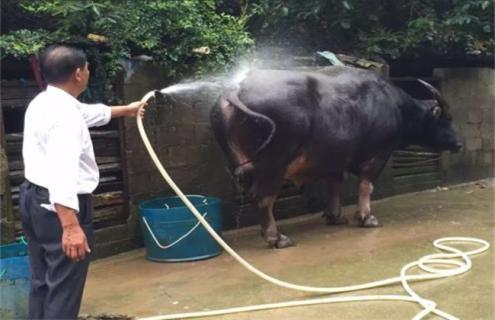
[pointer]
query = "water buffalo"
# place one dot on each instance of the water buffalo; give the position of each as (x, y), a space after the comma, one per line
(302, 126)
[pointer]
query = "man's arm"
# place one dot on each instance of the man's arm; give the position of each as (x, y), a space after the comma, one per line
(98, 114)
(130, 110)
(63, 147)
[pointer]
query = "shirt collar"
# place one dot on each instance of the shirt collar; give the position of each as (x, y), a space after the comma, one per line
(59, 91)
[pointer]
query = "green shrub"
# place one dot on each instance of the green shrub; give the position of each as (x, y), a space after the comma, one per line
(168, 31)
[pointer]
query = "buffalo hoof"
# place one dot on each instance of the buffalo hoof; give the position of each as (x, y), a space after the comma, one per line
(281, 242)
(333, 220)
(369, 221)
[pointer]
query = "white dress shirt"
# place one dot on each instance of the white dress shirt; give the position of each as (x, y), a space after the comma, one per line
(57, 149)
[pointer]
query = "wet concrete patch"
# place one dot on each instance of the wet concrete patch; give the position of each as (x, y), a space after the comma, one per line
(324, 256)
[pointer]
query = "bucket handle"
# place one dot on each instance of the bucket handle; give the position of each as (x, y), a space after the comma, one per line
(205, 200)
(176, 241)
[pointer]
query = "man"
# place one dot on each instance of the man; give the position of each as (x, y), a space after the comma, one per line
(61, 173)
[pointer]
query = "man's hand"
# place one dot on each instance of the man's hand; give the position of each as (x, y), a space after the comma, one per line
(74, 242)
(134, 108)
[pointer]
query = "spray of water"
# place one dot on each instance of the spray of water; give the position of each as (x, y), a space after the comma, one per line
(239, 76)
(267, 57)
(229, 81)
(189, 87)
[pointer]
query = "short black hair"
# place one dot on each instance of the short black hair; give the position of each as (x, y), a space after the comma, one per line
(58, 62)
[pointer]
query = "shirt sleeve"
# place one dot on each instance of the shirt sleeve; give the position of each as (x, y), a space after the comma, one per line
(64, 145)
(95, 115)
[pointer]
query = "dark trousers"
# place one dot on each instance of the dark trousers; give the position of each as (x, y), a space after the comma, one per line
(57, 283)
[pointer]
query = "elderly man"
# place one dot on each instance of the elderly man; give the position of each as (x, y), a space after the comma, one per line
(61, 173)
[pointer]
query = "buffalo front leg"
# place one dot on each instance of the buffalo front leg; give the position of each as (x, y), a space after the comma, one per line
(333, 211)
(363, 215)
(369, 171)
(269, 230)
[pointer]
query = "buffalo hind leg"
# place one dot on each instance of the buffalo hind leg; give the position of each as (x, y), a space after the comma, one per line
(269, 230)
(333, 211)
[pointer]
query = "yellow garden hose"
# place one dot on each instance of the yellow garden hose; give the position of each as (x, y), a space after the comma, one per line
(458, 262)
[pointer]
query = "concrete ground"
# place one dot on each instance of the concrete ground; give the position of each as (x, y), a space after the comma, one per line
(324, 256)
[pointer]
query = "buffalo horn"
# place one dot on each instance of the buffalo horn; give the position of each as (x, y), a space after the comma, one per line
(441, 101)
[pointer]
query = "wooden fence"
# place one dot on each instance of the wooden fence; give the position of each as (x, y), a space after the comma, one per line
(110, 216)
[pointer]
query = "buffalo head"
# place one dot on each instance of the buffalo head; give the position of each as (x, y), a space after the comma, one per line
(438, 132)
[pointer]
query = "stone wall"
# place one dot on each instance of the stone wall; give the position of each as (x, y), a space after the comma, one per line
(471, 95)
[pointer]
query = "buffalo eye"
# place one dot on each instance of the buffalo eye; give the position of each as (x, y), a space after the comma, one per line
(436, 111)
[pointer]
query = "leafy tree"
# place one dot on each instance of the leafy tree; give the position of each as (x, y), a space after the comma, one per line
(168, 31)
(390, 28)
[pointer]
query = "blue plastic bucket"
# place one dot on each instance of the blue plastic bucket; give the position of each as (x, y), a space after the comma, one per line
(14, 281)
(172, 233)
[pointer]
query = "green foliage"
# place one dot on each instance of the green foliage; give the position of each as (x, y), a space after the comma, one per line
(24, 42)
(391, 28)
(168, 31)
(172, 29)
